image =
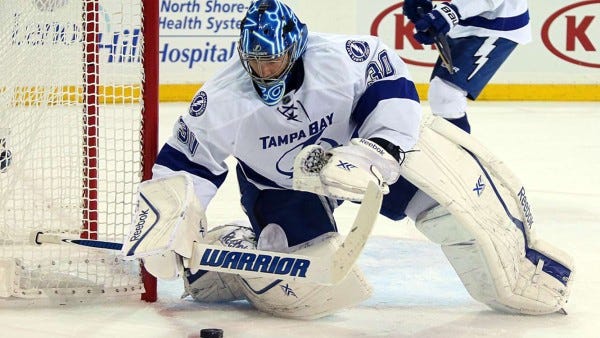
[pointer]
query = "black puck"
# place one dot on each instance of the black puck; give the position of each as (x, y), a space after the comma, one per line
(211, 333)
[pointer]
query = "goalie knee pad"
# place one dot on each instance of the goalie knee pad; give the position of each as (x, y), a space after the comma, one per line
(212, 286)
(272, 238)
(419, 203)
(301, 300)
(446, 100)
(497, 265)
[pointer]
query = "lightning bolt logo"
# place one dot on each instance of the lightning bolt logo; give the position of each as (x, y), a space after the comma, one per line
(486, 48)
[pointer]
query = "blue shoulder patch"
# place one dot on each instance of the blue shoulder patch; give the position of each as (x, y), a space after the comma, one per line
(198, 104)
(358, 50)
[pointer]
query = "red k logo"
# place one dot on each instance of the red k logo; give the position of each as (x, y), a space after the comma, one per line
(573, 33)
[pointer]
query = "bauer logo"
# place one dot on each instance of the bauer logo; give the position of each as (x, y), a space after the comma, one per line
(573, 33)
(397, 32)
(358, 50)
(199, 104)
(245, 261)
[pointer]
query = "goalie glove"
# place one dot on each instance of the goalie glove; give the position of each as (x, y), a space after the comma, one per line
(344, 172)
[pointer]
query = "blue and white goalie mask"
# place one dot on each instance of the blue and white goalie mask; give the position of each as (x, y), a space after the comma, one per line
(272, 39)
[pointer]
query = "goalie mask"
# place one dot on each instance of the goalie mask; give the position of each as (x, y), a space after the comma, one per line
(272, 38)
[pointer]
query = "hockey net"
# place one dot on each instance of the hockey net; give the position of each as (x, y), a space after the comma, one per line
(78, 126)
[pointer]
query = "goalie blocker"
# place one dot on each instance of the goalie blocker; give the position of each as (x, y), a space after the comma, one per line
(169, 220)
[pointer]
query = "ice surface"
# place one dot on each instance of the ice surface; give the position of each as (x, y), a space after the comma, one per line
(554, 148)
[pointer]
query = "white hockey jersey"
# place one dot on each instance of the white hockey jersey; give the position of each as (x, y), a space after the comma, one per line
(352, 86)
(508, 19)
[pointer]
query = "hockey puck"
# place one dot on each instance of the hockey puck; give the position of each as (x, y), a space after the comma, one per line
(211, 333)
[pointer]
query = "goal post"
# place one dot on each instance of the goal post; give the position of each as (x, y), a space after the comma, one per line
(78, 133)
(151, 65)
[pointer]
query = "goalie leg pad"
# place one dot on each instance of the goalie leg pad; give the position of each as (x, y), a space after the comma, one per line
(273, 238)
(298, 300)
(494, 268)
(487, 234)
(212, 286)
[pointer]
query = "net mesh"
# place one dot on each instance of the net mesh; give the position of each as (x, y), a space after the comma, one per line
(70, 147)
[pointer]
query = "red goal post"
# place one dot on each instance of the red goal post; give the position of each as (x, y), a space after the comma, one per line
(78, 132)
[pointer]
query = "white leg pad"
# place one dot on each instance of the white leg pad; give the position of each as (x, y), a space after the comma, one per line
(301, 300)
(485, 223)
(212, 286)
(494, 268)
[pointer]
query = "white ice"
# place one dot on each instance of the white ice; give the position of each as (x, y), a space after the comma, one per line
(553, 147)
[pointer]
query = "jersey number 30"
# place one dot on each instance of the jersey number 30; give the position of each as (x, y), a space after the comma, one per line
(185, 136)
(380, 68)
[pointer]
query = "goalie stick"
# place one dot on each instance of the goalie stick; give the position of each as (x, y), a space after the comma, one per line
(325, 270)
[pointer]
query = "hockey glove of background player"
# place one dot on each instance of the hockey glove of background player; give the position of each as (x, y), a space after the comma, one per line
(344, 172)
(440, 20)
(411, 10)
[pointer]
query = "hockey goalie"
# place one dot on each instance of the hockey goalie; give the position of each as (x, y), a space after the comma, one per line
(468, 201)
(313, 120)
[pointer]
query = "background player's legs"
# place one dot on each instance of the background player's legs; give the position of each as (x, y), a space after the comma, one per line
(476, 59)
